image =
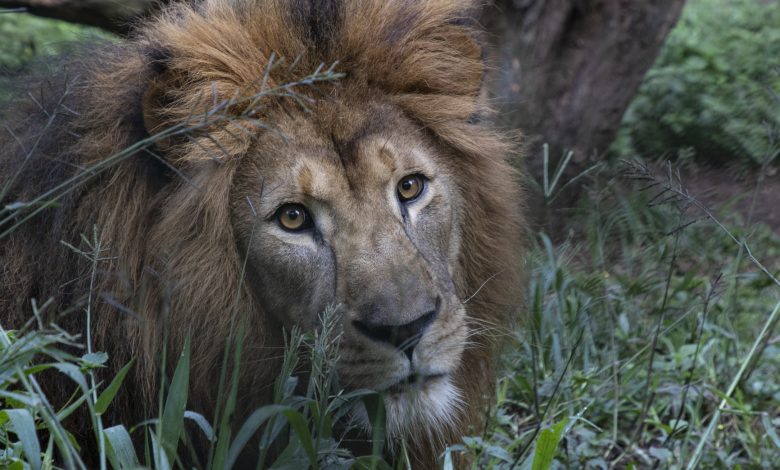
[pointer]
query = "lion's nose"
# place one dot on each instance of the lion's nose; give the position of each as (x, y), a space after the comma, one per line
(404, 337)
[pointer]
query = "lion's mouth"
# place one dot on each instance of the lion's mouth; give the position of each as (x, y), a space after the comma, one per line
(413, 382)
(416, 402)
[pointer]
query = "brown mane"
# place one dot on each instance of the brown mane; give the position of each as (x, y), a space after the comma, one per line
(169, 247)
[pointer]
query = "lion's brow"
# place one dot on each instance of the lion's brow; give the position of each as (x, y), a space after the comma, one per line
(346, 147)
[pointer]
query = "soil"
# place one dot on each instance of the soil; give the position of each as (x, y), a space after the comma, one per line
(726, 191)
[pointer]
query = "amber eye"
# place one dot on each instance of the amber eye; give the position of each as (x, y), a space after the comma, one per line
(293, 217)
(410, 187)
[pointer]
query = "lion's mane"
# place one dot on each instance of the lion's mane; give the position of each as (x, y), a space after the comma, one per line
(165, 229)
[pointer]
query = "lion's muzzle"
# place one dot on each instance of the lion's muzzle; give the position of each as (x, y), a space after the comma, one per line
(403, 337)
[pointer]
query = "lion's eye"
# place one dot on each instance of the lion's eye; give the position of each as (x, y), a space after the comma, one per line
(410, 187)
(293, 217)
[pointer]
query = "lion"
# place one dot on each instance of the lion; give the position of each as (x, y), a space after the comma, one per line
(385, 194)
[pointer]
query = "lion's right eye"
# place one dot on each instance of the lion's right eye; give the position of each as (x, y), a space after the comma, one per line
(293, 217)
(410, 187)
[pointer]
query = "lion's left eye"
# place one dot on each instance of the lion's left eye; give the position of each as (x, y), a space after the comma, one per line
(410, 187)
(293, 217)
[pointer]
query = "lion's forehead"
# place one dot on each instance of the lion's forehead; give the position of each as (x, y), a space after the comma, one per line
(353, 171)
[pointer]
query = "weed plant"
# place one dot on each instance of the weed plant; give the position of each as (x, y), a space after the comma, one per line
(714, 86)
(649, 341)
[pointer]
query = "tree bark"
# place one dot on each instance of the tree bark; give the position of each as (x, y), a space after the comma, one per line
(112, 15)
(568, 69)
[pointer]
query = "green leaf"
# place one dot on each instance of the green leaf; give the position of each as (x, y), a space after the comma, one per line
(107, 396)
(485, 448)
(546, 446)
(74, 373)
(37, 368)
(30, 401)
(660, 453)
(223, 436)
(770, 430)
(93, 360)
(172, 421)
(24, 427)
(448, 464)
(119, 447)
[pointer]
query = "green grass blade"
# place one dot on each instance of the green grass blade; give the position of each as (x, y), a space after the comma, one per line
(119, 448)
(298, 423)
(172, 422)
(24, 427)
(223, 436)
(250, 426)
(107, 396)
(546, 161)
(559, 170)
(202, 423)
(375, 408)
(448, 464)
(546, 446)
(67, 411)
(698, 452)
(372, 462)
(161, 461)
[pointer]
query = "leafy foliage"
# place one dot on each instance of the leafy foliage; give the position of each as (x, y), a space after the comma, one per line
(636, 331)
(26, 37)
(714, 86)
(642, 321)
(638, 323)
(27, 414)
(298, 427)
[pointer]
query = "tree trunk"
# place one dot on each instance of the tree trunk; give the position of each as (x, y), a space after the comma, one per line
(567, 69)
(111, 15)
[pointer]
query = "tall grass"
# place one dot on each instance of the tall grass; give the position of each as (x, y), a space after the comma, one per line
(649, 340)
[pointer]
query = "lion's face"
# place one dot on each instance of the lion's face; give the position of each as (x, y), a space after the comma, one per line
(357, 210)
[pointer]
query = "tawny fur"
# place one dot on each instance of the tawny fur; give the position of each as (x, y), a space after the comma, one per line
(171, 249)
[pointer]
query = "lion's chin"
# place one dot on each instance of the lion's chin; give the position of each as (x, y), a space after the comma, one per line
(421, 408)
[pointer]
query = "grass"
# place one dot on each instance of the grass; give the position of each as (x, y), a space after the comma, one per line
(649, 341)
(26, 37)
(651, 337)
(299, 426)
